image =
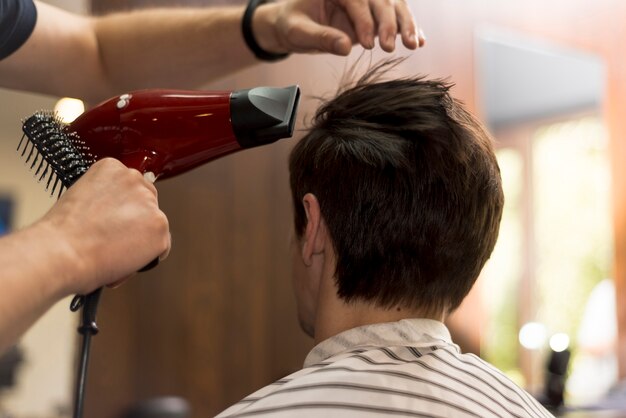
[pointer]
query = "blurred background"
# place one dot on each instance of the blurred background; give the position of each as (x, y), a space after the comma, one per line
(217, 320)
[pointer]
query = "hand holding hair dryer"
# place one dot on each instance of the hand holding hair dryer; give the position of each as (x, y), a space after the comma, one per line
(166, 132)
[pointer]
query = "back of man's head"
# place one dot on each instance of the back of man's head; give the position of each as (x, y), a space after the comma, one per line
(409, 188)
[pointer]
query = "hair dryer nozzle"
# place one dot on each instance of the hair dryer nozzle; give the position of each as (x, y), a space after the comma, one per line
(263, 115)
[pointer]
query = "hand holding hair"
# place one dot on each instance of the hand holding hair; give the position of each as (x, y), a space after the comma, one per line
(333, 26)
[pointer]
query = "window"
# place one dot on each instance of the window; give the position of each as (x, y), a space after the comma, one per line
(555, 244)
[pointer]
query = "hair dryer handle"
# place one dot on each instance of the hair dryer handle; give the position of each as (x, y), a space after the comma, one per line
(150, 265)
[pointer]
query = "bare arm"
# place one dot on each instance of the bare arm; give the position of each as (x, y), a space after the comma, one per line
(95, 58)
(104, 228)
(31, 268)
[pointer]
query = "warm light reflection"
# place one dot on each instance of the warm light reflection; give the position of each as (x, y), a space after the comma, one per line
(69, 109)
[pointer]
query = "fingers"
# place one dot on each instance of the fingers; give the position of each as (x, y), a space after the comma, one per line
(120, 282)
(385, 19)
(385, 14)
(163, 256)
(335, 25)
(111, 223)
(362, 20)
(411, 37)
(149, 176)
(305, 35)
(166, 253)
(162, 229)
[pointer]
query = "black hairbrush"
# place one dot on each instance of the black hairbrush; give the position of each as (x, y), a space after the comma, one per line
(63, 154)
(64, 158)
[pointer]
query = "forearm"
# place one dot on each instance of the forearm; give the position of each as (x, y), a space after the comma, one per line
(180, 48)
(96, 58)
(34, 272)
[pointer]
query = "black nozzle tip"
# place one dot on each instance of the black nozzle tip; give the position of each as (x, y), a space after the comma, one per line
(263, 115)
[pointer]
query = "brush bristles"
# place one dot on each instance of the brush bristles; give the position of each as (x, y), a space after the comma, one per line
(51, 147)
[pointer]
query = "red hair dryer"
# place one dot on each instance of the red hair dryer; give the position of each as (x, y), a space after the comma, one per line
(168, 132)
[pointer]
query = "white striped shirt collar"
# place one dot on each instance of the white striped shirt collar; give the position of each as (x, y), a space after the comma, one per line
(407, 332)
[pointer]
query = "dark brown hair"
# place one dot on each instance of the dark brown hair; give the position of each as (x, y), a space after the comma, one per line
(408, 186)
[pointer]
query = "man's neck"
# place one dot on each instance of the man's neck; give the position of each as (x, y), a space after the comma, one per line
(335, 316)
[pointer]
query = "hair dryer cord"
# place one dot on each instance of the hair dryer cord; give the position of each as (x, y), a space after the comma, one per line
(87, 328)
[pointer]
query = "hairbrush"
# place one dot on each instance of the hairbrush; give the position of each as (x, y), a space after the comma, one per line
(61, 155)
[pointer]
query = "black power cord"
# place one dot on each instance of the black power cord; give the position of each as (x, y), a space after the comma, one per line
(87, 328)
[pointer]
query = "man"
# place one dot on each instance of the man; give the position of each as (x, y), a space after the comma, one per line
(109, 224)
(398, 199)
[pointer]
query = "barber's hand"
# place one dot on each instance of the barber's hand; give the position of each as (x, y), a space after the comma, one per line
(111, 225)
(333, 26)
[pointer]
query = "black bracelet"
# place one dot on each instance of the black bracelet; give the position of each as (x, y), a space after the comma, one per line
(246, 29)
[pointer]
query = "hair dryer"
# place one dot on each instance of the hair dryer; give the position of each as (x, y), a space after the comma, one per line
(169, 132)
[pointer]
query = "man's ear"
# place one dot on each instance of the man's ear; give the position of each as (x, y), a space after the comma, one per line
(314, 237)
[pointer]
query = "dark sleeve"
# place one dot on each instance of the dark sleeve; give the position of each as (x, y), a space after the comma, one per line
(17, 21)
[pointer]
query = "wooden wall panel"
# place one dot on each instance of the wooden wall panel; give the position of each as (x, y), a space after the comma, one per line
(217, 320)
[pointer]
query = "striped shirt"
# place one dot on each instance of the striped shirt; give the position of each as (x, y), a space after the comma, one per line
(408, 368)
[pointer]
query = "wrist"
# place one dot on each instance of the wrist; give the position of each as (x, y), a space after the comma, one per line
(264, 28)
(58, 257)
(259, 27)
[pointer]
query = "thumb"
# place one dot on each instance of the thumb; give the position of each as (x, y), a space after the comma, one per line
(309, 36)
